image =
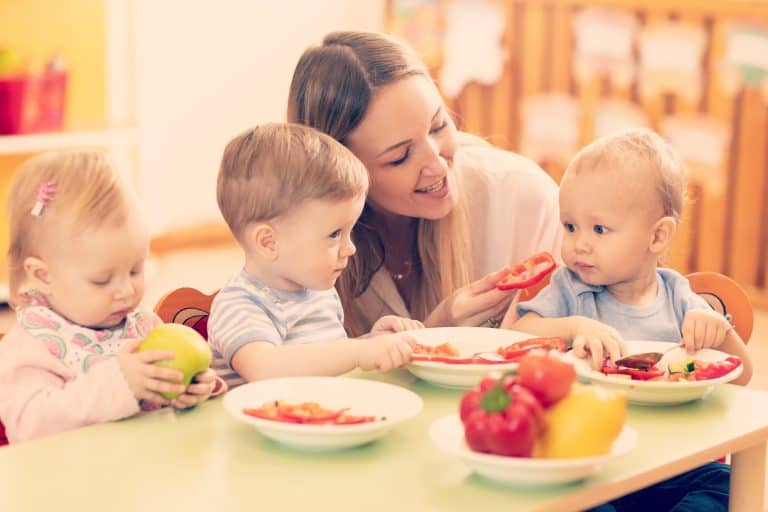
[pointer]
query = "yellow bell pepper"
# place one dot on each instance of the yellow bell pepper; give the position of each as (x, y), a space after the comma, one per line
(582, 424)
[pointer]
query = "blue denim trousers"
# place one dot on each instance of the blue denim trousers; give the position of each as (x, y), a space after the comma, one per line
(704, 489)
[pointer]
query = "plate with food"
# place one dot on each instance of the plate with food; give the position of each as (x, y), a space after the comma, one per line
(457, 357)
(447, 433)
(652, 373)
(321, 413)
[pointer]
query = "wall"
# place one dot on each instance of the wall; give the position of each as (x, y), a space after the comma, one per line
(205, 73)
(36, 29)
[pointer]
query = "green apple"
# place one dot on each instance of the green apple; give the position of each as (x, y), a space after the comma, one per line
(192, 354)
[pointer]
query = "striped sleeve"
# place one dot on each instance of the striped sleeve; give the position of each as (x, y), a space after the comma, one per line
(237, 319)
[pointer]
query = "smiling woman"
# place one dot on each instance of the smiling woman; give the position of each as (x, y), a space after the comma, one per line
(416, 254)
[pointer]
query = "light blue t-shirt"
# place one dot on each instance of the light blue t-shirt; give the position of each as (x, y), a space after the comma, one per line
(246, 310)
(661, 320)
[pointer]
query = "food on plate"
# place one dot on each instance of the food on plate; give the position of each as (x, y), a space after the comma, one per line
(307, 413)
(528, 273)
(447, 353)
(501, 417)
(583, 424)
(444, 349)
(541, 413)
(518, 349)
(688, 369)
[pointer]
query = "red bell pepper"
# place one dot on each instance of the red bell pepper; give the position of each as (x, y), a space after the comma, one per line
(501, 417)
(717, 369)
(528, 273)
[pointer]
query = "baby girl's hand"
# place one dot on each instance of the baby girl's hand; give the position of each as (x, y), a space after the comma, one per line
(392, 323)
(704, 328)
(384, 352)
(198, 391)
(597, 340)
(145, 379)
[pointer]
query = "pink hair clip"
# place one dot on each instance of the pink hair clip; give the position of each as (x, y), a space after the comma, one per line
(44, 196)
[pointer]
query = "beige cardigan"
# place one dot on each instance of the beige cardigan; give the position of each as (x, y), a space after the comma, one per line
(513, 213)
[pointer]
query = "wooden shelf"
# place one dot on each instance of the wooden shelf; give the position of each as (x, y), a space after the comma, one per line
(30, 143)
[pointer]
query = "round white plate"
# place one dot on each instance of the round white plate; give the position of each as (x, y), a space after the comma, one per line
(468, 341)
(447, 433)
(360, 396)
(658, 392)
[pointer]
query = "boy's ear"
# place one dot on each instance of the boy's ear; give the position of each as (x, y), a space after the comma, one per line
(37, 274)
(263, 240)
(663, 231)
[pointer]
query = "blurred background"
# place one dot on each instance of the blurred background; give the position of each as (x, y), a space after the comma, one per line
(164, 84)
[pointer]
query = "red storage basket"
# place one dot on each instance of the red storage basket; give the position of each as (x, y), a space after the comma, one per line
(33, 103)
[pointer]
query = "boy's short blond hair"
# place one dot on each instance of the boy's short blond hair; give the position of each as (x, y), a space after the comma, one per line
(272, 168)
(89, 193)
(643, 150)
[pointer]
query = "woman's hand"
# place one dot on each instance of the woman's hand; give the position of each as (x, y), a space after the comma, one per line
(198, 391)
(474, 304)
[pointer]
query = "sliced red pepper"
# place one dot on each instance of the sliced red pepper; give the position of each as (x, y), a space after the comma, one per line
(528, 273)
(307, 413)
(717, 369)
(634, 373)
(518, 349)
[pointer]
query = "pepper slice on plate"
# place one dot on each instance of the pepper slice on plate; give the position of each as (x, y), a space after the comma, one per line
(528, 273)
(634, 373)
(717, 369)
(308, 413)
(518, 349)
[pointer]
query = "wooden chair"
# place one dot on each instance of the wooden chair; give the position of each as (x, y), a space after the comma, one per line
(186, 306)
(725, 296)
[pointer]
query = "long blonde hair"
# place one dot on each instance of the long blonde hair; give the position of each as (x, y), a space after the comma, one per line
(88, 193)
(331, 90)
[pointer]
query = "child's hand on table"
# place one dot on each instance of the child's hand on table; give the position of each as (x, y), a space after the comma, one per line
(595, 339)
(703, 328)
(199, 390)
(384, 352)
(145, 379)
(392, 323)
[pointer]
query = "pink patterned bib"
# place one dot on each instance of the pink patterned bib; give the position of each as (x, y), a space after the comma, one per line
(81, 347)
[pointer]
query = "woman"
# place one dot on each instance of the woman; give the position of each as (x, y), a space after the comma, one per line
(446, 212)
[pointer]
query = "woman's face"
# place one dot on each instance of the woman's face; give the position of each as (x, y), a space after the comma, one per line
(407, 141)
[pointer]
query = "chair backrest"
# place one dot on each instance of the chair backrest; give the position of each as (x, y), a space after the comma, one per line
(725, 296)
(186, 306)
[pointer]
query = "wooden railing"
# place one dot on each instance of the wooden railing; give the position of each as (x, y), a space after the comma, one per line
(725, 225)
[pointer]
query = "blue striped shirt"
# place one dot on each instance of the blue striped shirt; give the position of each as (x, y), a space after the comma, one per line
(247, 311)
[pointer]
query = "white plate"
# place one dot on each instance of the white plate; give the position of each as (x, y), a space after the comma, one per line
(658, 392)
(363, 397)
(447, 433)
(467, 340)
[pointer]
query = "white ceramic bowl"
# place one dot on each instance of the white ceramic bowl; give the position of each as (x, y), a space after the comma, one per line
(468, 341)
(363, 397)
(447, 433)
(658, 392)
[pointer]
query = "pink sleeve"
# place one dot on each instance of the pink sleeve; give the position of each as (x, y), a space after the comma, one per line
(40, 396)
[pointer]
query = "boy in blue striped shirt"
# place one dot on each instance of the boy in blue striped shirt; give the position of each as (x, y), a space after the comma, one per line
(291, 196)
